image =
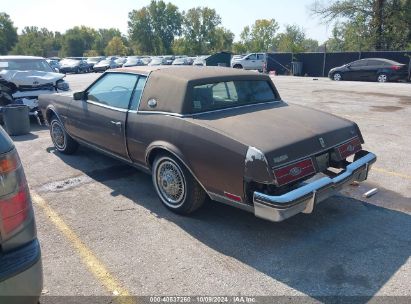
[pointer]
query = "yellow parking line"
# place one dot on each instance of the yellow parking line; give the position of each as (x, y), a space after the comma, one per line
(380, 170)
(94, 265)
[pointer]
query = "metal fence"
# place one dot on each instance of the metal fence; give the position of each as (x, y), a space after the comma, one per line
(319, 64)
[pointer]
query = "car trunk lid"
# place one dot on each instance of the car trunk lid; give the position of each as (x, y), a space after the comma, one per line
(282, 132)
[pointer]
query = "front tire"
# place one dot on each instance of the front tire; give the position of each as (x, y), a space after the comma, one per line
(337, 77)
(61, 140)
(175, 186)
(238, 66)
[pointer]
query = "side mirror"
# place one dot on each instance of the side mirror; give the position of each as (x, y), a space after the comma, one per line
(80, 96)
(56, 70)
(349, 66)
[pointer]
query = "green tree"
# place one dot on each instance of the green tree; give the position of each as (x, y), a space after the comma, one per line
(336, 43)
(382, 24)
(91, 53)
(246, 40)
(351, 36)
(37, 42)
(200, 29)
(103, 37)
(407, 16)
(78, 40)
(152, 29)
(239, 48)
(116, 47)
(310, 45)
(260, 37)
(8, 34)
(222, 40)
(291, 40)
(180, 46)
(263, 34)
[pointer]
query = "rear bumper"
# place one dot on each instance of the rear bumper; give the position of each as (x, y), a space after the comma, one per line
(304, 198)
(398, 76)
(21, 275)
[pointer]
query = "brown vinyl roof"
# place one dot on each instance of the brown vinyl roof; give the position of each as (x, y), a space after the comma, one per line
(171, 86)
(187, 72)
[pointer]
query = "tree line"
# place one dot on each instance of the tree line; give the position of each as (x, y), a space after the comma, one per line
(161, 28)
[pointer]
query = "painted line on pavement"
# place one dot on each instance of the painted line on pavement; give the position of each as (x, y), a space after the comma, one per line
(94, 265)
(392, 173)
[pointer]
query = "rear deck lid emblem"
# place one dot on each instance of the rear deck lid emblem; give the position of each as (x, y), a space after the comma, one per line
(295, 171)
(350, 148)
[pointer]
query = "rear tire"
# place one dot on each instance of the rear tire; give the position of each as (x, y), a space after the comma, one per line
(382, 78)
(63, 142)
(175, 186)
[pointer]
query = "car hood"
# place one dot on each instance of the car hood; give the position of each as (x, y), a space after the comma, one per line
(70, 65)
(282, 132)
(30, 78)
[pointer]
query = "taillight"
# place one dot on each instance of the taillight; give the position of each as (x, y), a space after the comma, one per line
(349, 148)
(296, 171)
(396, 67)
(15, 206)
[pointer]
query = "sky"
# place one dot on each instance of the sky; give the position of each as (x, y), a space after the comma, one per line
(235, 14)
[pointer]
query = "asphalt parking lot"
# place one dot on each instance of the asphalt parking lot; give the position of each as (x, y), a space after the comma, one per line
(103, 230)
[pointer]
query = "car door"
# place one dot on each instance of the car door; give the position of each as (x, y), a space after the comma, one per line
(250, 62)
(356, 70)
(373, 66)
(260, 62)
(135, 123)
(100, 119)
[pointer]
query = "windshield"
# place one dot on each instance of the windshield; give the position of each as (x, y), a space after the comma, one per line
(26, 65)
(222, 95)
(133, 60)
(94, 59)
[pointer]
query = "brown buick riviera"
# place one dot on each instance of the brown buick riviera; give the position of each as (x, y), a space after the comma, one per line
(212, 132)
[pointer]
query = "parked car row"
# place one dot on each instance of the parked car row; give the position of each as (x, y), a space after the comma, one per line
(77, 65)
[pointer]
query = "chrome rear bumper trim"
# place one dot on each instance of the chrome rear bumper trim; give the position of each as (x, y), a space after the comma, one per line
(304, 198)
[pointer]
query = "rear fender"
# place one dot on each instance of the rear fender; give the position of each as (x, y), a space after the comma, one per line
(163, 146)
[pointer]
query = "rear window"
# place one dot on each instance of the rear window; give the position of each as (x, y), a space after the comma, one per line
(223, 95)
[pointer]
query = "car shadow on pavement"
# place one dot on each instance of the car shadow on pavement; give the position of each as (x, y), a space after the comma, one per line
(347, 247)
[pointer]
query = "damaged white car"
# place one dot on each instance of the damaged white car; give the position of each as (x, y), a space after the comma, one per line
(24, 78)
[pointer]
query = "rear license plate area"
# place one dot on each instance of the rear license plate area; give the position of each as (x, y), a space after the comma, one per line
(323, 162)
